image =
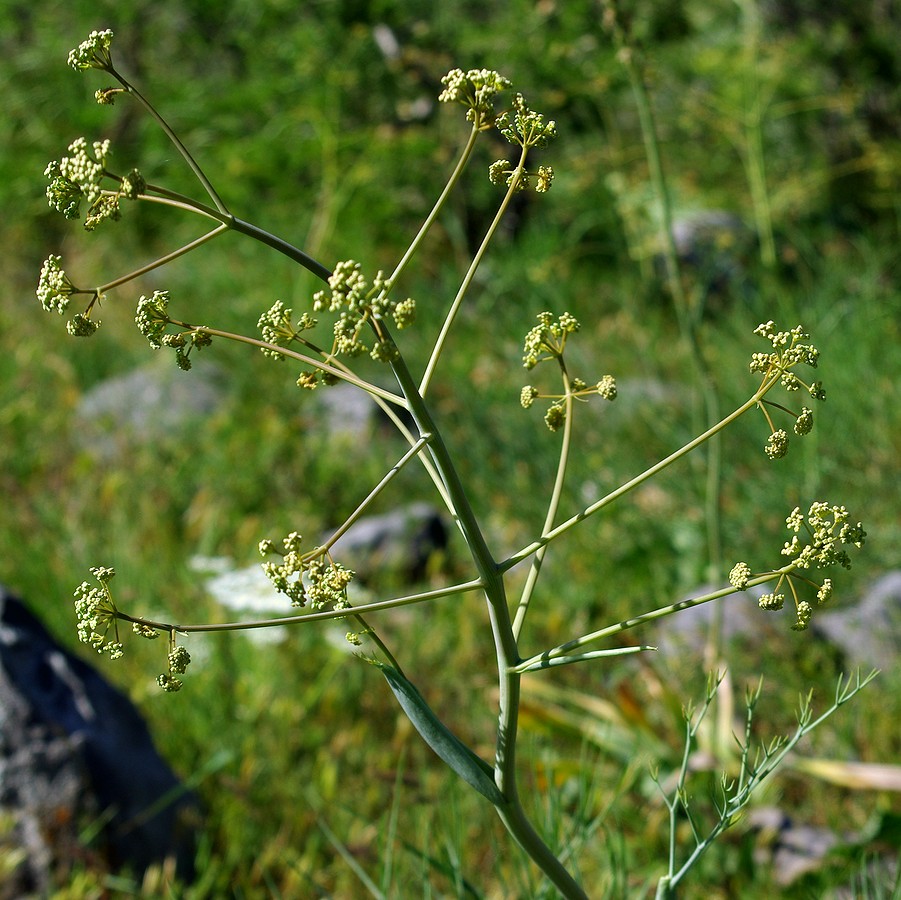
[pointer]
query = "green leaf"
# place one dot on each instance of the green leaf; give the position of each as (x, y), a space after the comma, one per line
(468, 765)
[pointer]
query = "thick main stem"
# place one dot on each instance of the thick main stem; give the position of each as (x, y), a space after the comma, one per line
(510, 812)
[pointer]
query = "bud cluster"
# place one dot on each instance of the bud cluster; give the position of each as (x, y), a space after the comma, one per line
(306, 578)
(545, 341)
(789, 351)
(525, 127)
(828, 531)
(179, 659)
(476, 90)
(96, 613)
(152, 319)
(277, 328)
(361, 305)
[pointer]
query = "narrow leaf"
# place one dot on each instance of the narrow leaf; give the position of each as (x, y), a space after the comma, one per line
(467, 764)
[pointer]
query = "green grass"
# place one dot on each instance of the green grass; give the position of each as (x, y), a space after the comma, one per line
(299, 753)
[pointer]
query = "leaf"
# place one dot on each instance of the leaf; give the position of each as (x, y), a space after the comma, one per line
(467, 764)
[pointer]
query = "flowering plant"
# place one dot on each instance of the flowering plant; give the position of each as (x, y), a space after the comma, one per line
(365, 312)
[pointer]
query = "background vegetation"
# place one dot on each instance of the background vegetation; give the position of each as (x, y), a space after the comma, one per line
(312, 123)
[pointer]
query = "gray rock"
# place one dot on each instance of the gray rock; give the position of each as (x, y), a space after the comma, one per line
(400, 542)
(346, 411)
(74, 751)
(146, 405)
(792, 849)
(869, 632)
(715, 246)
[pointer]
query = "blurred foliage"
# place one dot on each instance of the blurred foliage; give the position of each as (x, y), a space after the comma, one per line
(319, 121)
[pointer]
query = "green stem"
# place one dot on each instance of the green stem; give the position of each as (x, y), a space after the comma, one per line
(511, 812)
(564, 649)
(283, 247)
(439, 204)
(553, 506)
(563, 527)
(182, 149)
(163, 260)
(467, 280)
(371, 633)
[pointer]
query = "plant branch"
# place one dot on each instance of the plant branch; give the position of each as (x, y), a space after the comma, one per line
(341, 373)
(439, 204)
(564, 649)
(553, 506)
(376, 606)
(163, 260)
(563, 527)
(182, 149)
(383, 483)
(467, 278)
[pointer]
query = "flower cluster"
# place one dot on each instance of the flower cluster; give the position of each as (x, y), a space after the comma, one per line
(476, 90)
(828, 530)
(503, 172)
(306, 578)
(96, 613)
(54, 287)
(277, 328)
(525, 127)
(79, 177)
(179, 659)
(152, 319)
(789, 351)
(545, 341)
(94, 53)
(360, 305)
(76, 177)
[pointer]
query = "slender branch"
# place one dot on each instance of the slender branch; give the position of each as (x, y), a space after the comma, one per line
(467, 278)
(341, 373)
(377, 606)
(564, 649)
(553, 506)
(563, 527)
(163, 260)
(439, 204)
(383, 483)
(181, 201)
(182, 149)
(580, 657)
